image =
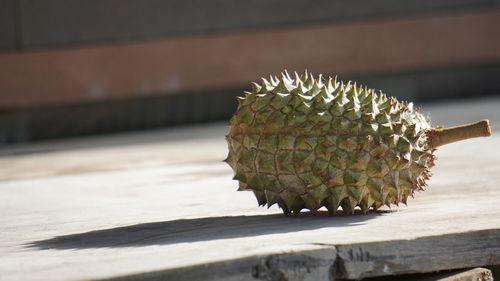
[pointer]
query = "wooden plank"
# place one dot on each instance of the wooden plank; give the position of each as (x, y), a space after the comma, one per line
(56, 22)
(184, 219)
(474, 274)
(231, 60)
(292, 266)
(8, 13)
(426, 254)
(305, 265)
(161, 147)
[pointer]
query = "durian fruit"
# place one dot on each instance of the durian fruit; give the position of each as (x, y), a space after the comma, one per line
(307, 142)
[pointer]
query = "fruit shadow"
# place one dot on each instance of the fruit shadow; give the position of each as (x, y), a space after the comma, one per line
(202, 229)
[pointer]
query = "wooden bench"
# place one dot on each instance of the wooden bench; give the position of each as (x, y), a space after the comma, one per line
(161, 205)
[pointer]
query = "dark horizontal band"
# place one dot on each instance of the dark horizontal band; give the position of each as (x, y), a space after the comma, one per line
(52, 23)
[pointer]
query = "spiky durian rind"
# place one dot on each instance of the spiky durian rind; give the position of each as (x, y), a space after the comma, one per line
(310, 142)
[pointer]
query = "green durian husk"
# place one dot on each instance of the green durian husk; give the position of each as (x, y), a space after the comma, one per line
(307, 142)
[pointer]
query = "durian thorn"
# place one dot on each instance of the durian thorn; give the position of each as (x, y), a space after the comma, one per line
(441, 136)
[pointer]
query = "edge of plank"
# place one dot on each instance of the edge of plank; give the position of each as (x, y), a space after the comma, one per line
(428, 254)
(354, 261)
(305, 265)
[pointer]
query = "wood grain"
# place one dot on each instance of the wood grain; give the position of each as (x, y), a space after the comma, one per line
(475, 274)
(184, 220)
(230, 60)
(306, 265)
(126, 150)
(426, 254)
(471, 274)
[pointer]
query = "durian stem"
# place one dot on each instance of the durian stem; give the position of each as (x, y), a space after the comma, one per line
(440, 136)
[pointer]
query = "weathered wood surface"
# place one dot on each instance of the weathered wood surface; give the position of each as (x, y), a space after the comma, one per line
(472, 274)
(475, 274)
(162, 206)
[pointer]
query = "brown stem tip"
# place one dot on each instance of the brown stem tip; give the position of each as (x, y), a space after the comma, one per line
(440, 136)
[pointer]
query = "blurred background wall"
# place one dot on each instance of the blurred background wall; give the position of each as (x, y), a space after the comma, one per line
(81, 67)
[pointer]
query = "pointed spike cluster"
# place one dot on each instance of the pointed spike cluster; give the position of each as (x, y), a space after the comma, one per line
(256, 87)
(301, 141)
